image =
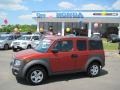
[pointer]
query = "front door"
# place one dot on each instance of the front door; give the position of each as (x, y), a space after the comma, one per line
(62, 60)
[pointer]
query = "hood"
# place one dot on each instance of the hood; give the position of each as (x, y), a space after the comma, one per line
(28, 54)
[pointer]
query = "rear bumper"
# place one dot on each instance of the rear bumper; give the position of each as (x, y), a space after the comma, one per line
(17, 71)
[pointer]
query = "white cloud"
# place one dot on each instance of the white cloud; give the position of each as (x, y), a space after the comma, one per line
(93, 6)
(90, 6)
(38, 0)
(25, 17)
(12, 5)
(116, 5)
(11, 1)
(66, 5)
(3, 15)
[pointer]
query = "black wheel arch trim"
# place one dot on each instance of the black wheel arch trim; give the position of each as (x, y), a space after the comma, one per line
(43, 62)
(98, 59)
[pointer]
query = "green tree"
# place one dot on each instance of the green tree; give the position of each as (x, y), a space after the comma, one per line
(23, 28)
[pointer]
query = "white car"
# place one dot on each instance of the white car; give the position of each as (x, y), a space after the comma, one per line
(25, 42)
(6, 40)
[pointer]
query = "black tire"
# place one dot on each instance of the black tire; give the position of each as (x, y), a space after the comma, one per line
(19, 79)
(30, 75)
(29, 47)
(93, 70)
(15, 49)
(6, 47)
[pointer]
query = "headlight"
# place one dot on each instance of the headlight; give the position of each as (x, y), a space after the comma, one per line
(17, 62)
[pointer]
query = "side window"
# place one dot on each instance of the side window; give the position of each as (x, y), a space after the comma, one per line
(81, 45)
(95, 45)
(64, 46)
(35, 37)
(10, 38)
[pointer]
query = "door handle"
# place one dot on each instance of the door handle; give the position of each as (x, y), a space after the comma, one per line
(74, 56)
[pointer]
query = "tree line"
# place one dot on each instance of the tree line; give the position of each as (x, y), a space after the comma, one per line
(21, 28)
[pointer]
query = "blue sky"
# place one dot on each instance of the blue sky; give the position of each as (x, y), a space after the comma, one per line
(19, 11)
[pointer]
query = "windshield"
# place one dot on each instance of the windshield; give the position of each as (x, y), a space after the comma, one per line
(43, 45)
(24, 38)
(3, 37)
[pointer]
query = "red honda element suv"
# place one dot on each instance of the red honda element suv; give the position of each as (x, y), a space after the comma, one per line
(59, 55)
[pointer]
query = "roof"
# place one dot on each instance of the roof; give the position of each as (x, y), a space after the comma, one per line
(52, 37)
(65, 37)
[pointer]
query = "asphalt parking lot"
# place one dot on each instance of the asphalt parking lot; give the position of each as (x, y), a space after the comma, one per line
(108, 80)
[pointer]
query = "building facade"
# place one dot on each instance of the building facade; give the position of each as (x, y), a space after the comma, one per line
(85, 22)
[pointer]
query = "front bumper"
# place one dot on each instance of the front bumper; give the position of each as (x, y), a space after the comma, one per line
(20, 47)
(17, 70)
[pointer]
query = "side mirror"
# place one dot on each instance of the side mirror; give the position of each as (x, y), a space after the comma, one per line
(55, 50)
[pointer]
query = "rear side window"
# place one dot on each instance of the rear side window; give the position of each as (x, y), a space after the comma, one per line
(10, 38)
(95, 45)
(81, 45)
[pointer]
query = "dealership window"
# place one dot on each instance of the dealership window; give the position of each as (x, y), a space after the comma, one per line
(64, 46)
(95, 45)
(81, 45)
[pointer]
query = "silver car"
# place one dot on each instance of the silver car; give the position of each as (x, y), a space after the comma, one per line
(6, 40)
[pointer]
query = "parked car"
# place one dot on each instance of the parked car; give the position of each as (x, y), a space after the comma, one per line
(113, 38)
(6, 40)
(59, 55)
(25, 42)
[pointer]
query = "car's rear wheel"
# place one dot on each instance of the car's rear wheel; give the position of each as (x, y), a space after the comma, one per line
(36, 75)
(6, 46)
(93, 70)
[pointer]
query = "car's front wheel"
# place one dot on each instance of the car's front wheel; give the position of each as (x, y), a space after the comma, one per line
(6, 46)
(36, 75)
(93, 70)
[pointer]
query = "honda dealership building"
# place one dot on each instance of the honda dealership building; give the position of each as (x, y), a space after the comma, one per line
(86, 22)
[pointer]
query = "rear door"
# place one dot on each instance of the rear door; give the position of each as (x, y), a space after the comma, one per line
(82, 53)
